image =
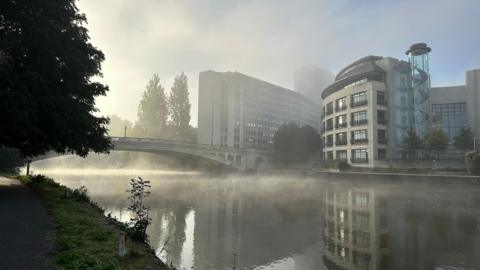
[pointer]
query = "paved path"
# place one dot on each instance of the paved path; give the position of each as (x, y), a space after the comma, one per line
(25, 228)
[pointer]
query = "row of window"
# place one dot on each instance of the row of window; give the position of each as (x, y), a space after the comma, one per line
(357, 155)
(356, 137)
(357, 99)
(357, 119)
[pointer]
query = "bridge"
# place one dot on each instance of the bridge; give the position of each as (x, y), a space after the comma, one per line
(242, 159)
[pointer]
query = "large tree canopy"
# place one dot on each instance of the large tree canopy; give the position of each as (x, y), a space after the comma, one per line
(47, 97)
(153, 110)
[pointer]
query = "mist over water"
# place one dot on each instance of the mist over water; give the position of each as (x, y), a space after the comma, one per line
(296, 222)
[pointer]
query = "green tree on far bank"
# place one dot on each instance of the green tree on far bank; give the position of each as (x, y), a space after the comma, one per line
(464, 139)
(437, 141)
(152, 111)
(47, 95)
(293, 144)
(412, 143)
(179, 107)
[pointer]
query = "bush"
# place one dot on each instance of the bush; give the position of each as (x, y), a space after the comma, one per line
(336, 164)
(472, 161)
(140, 220)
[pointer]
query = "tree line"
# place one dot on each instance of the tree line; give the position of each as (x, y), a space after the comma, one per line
(159, 115)
(436, 142)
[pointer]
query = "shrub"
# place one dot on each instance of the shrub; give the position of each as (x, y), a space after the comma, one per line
(140, 220)
(336, 164)
(472, 161)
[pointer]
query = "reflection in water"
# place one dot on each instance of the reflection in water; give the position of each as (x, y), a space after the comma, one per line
(300, 223)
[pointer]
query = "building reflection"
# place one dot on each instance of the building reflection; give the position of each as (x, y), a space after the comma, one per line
(375, 228)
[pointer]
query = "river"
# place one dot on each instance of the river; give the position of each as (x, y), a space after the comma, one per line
(296, 222)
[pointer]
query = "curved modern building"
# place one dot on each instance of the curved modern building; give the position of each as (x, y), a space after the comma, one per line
(367, 111)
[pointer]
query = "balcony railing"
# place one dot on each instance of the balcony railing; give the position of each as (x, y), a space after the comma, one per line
(341, 108)
(381, 102)
(358, 122)
(340, 142)
(330, 127)
(342, 125)
(329, 144)
(359, 141)
(359, 160)
(329, 111)
(358, 103)
(382, 141)
(382, 121)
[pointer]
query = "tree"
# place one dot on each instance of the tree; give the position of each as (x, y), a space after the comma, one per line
(10, 160)
(179, 106)
(152, 110)
(117, 125)
(412, 143)
(47, 97)
(437, 141)
(464, 139)
(293, 144)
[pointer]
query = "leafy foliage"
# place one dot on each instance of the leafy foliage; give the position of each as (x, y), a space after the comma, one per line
(153, 111)
(464, 139)
(472, 161)
(140, 220)
(10, 160)
(412, 143)
(293, 144)
(437, 140)
(179, 105)
(46, 92)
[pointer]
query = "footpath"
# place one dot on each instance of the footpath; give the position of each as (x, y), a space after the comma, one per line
(26, 231)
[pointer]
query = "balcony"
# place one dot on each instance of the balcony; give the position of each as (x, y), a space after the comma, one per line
(359, 103)
(341, 142)
(382, 141)
(359, 141)
(329, 111)
(358, 122)
(359, 160)
(342, 125)
(341, 108)
(329, 144)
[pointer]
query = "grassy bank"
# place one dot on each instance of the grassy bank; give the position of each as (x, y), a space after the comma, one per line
(85, 238)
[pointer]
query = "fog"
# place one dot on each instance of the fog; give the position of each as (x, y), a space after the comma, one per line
(268, 39)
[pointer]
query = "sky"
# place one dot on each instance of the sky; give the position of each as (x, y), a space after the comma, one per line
(269, 39)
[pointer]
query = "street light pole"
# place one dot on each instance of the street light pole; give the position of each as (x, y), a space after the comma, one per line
(125, 131)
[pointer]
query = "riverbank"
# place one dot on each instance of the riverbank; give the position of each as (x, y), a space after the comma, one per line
(84, 237)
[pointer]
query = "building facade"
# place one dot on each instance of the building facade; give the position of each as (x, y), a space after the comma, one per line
(456, 107)
(367, 111)
(236, 110)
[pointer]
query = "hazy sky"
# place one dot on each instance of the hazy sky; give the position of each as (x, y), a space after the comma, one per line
(270, 39)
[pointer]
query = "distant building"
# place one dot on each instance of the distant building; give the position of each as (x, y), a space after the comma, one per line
(311, 80)
(455, 107)
(236, 110)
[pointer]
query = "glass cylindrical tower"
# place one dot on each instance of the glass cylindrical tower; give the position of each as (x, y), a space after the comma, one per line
(418, 59)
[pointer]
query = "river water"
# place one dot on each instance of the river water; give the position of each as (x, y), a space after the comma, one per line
(296, 222)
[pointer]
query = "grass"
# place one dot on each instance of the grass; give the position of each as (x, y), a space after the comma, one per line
(85, 238)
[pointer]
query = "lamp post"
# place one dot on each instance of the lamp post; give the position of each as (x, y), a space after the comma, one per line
(125, 131)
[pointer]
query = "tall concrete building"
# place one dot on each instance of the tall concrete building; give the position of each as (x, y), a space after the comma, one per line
(456, 107)
(367, 111)
(236, 110)
(311, 80)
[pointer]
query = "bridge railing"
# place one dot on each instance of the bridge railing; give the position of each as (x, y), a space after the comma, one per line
(172, 143)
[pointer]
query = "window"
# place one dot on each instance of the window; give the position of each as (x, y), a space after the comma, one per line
(359, 136)
(330, 124)
(330, 108)
(381, 117)
(341, 104)
(330, 155)
(359, 99)
(451, 117)
(359, 156)
(382, 154)
(381, 98)
(330, 140)
(342, 155)
(381, 136)
(359, 118)
(341, 138)
(341, 121)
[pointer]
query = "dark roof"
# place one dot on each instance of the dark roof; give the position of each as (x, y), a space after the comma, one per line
(418, 49)
(362, 68)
